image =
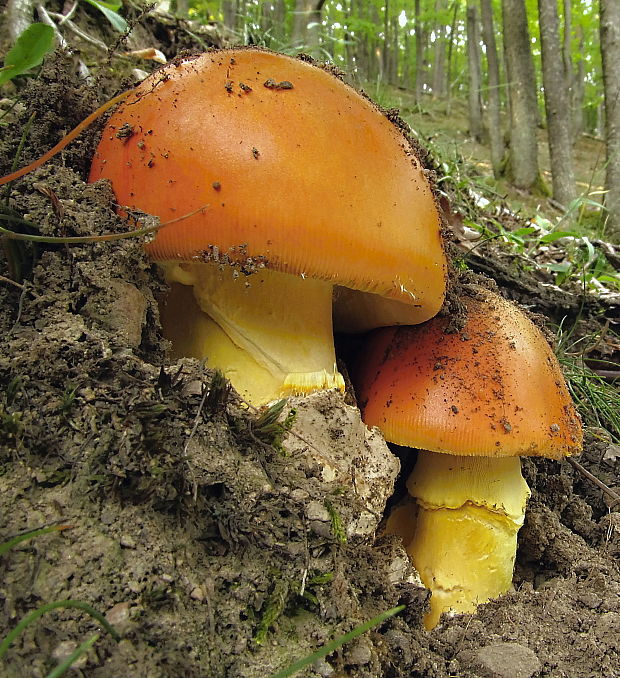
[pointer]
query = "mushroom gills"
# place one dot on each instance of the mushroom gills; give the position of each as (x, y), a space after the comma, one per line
(269, 332)
(462, 540)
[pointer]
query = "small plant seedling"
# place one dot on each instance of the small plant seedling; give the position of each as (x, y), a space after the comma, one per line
(110, 11)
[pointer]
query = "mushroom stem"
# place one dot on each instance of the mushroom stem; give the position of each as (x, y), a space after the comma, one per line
(270, 333)
(465, 537)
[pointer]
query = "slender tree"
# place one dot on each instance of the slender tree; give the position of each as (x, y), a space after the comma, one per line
(579, 87)
(306, 23)
(610, 52)
(496, 138)
(524, 171)
(451, 41)
(473, 61)
(439, 60)
(557, 103)
(420, 48)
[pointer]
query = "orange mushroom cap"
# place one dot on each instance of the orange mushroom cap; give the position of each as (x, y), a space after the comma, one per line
(298, 171)
(493, 389)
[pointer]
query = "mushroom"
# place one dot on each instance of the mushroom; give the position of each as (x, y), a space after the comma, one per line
(472, 401)
(305, 184)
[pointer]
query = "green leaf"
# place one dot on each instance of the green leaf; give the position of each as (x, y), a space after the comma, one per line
(525, 231)
(28, 51)
(557, 235)
(109, 9)
(562, 267)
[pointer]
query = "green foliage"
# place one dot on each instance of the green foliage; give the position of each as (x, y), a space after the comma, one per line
(336, 522)
(312, 584)
(597, 400)
(267, 427)
(28, 51)
(274, 607)
(33, 616)
(110, 11)
(332, 646)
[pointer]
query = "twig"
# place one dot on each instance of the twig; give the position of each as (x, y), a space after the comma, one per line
(592, 478)
(8, 281)
(66, 140)
(612, 375)
(47, 19)
(79, 32)
(69, 14)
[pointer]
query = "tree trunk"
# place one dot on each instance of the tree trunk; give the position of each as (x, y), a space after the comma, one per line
(439, 65)
(567, 57)
(306, 25)
(229, 10)
(524, 171)
(496, 138)
(557, 104)
(451, 48)
(610, 53)
(385, 54)
(420, 40)
(579, 90)
(473, 61)
(19, 14)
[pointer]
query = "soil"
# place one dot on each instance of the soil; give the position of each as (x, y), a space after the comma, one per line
(214, 542)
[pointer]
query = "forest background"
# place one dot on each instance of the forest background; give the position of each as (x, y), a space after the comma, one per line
(527, 79)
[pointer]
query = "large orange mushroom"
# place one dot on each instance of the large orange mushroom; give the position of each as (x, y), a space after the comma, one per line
(305, 183)
(472, 402)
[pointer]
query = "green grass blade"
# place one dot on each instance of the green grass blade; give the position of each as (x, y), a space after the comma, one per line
(40, 611)
(74, 656)
(335, 644)
(5, 546)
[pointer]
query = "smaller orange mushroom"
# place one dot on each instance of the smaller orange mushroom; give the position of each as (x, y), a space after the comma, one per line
(472, 402)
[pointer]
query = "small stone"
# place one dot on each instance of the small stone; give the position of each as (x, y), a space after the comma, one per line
(299, 495)
(197, 593)
(118, 616)
(316, 511)
(128, 542)
(323, 668)
(360, 654)
(65, 649)
(507, 660)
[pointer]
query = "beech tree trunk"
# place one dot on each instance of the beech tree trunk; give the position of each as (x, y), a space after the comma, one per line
(557, 103)
(19, 14)
(496, 138)
(420, 44)
(473, 61)
(229, 10)
(610, 52)
(579, 90)
(455, 11)
(439, 61)
(306, 23)
(523, 171)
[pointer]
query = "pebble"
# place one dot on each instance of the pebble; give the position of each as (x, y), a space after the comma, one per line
(128, 542)
(507, 660)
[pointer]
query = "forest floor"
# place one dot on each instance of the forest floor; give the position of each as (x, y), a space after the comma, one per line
(214, 548)
(444, 124)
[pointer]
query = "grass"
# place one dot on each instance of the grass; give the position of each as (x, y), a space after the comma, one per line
(597, 400)
(34, 615)
(337, 643)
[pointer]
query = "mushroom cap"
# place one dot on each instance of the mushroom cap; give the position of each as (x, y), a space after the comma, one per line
(299, 173)
(492, 389)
